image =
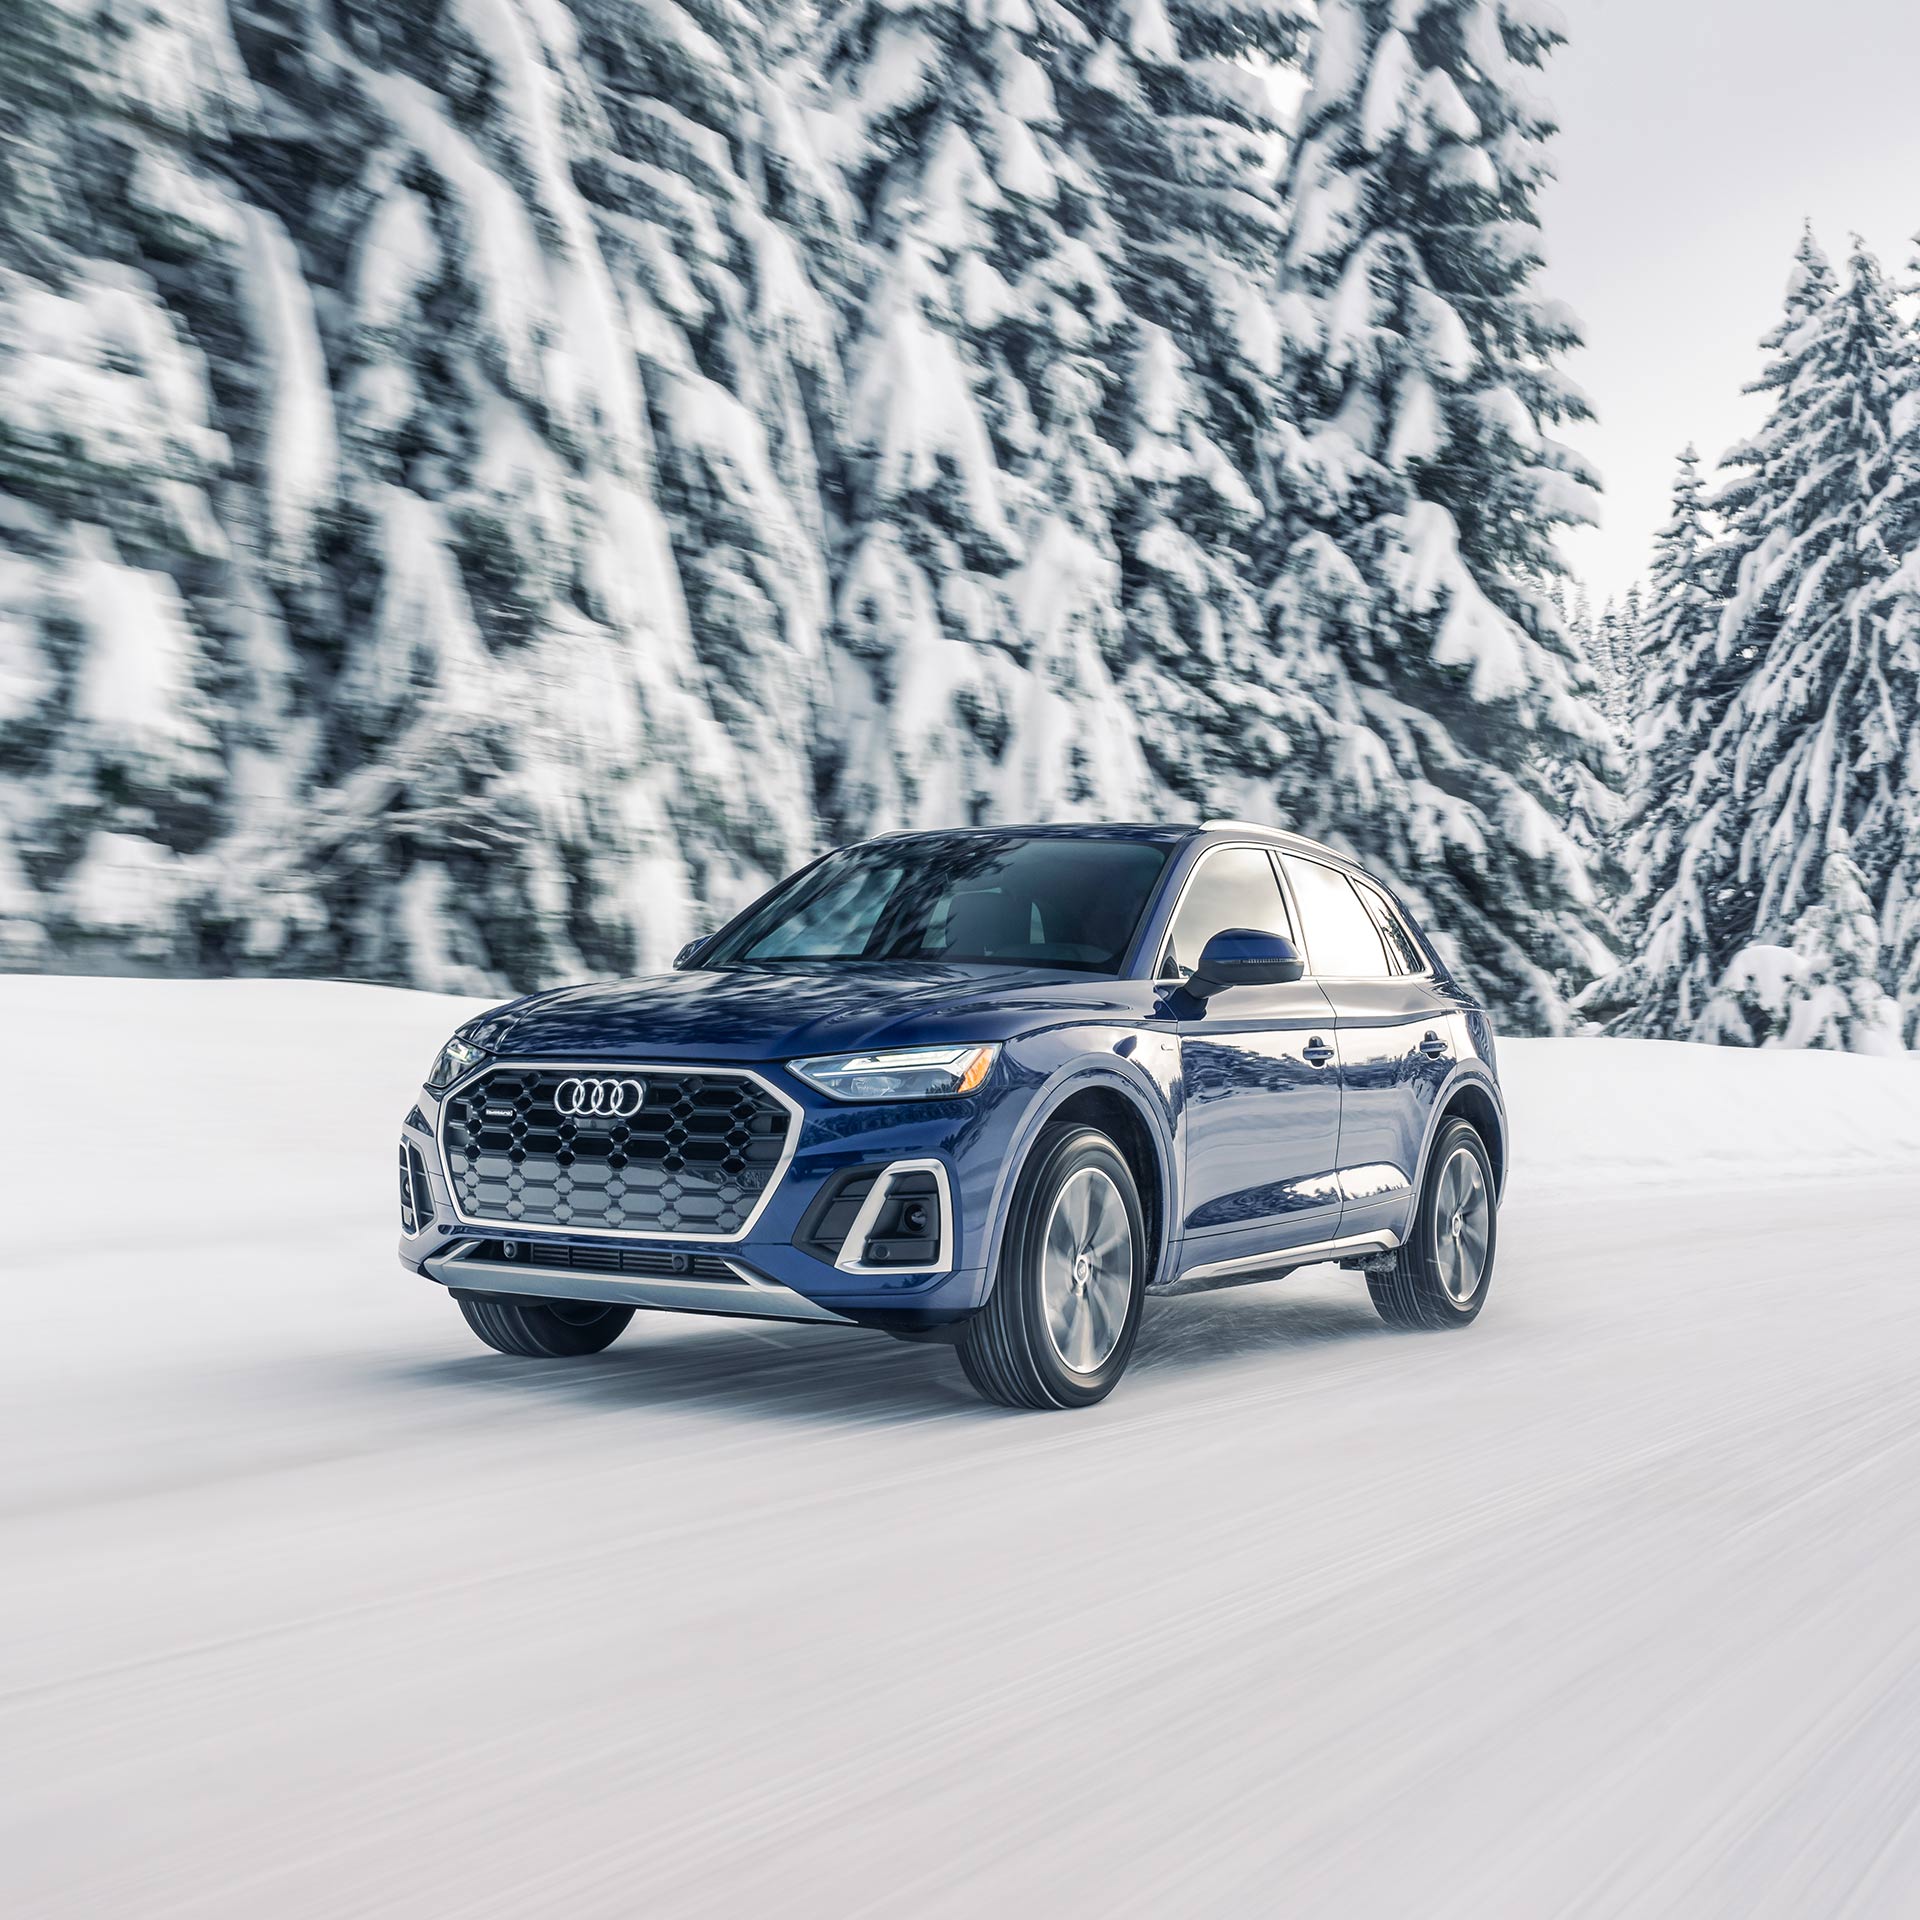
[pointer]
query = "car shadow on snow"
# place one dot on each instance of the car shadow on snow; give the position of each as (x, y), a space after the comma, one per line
(810, 1374)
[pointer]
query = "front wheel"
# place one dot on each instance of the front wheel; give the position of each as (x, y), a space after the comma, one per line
(1059, 1327)
(1440, 1276)
(544, 1329)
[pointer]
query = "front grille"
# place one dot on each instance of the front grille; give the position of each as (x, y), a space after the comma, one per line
(606, 1257)
(416, 1197)
(693, 1159)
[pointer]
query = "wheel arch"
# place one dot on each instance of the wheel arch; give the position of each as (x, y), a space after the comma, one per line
(1476, 1101)
(1100, 1098)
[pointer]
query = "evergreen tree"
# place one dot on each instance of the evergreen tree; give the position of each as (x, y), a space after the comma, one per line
(1172, 114)
(1414, 562)
(119, 587)
(1788, 734)
(1678, 849)
(1896, 520)
(413, 421)
(1823, 989)
(1667, 979)
(583, 354)
(1821, 728)
(977, 599)
(1621, 647)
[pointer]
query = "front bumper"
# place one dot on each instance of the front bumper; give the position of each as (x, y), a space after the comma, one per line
(966, 1140)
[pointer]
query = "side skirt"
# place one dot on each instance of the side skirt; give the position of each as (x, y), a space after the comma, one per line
(1354, 1250)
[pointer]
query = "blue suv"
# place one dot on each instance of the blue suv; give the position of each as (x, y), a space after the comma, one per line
(992, 1088)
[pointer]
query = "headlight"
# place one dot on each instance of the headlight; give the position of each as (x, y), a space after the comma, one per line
(456, 1058)
(911, 1073)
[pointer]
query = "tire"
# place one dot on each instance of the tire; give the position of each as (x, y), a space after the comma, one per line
(1440, 1276)
(544, 1329)
(1059, 1326)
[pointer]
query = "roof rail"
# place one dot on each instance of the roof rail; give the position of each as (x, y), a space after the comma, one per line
(1239, 826)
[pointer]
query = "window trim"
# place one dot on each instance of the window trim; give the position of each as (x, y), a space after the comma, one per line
(1157, 954)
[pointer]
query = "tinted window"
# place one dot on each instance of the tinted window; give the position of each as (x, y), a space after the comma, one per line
(1403, 951)
(975, 899)
(1342, 941)
(1231, 887)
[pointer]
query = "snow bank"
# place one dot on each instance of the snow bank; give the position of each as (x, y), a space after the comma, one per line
(235, 1109)
(1588, 1111)
(247, 1109)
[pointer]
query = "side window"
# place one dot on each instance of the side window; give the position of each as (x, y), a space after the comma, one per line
(1342, 941)
(1231, 887)
(1403, 950)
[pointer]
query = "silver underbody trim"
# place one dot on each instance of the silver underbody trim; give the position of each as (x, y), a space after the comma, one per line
(756, 1298)
(1252, 1267)
(513, 1228)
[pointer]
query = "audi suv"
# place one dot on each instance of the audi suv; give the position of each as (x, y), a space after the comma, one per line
(995, 1088)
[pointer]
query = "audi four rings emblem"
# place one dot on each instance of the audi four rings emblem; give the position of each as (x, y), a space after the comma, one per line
(600, 1099)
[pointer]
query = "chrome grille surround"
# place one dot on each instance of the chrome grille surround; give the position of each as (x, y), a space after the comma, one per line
(706, 1157)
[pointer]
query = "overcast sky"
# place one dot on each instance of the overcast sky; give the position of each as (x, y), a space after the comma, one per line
(1696, 137)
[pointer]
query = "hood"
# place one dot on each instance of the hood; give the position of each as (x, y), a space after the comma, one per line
(788, 1012)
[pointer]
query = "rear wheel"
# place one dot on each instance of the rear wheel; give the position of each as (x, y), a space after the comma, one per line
(544, 1329)
(1060, 1325)
(1440, 1275)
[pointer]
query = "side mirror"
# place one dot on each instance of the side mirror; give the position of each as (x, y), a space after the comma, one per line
(1239, 957)
(684, 957)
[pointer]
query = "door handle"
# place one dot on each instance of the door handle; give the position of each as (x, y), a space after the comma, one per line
(1316, 1053)
(1434, 1047)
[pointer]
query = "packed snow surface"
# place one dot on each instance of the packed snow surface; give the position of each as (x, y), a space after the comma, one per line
(311, 1605)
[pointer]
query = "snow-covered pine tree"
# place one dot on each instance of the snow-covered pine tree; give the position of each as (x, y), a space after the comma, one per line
(1810, 750)
(580, 349)
(1820, 990)
(978, 599)
(121, 593)
(1818, 740)
(414, 540)
(1680, 852)
(1670, 720)
(1896, 517)
(1619, 650)
(1417, 564)
(1170, 110)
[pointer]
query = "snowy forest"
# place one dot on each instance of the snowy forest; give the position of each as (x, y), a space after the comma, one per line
(486, 486)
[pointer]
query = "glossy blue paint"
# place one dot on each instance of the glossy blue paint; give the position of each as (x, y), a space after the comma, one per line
(1262, 1089)
(1266, 1117)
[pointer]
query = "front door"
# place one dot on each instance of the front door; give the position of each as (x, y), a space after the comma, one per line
(1260, 1077)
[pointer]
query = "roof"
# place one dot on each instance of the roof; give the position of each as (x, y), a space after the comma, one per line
(1151, 830)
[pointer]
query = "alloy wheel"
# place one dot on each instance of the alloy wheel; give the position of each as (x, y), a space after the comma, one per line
(1460, 1217)
(1086, 1270)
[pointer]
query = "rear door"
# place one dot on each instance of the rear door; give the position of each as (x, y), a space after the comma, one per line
(1394, 1034)
(1259, 1074)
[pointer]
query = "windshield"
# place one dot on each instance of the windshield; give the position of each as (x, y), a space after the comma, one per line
(974, 899)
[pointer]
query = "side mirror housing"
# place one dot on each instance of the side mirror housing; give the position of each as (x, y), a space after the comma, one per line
(1239, 957)
(685, 957)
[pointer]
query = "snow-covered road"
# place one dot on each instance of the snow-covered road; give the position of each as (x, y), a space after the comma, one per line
(311, 1606)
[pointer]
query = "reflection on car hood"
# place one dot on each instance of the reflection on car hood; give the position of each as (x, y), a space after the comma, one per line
(784, 1012)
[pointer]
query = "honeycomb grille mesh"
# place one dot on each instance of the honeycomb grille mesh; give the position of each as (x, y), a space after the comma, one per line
(693, 1158)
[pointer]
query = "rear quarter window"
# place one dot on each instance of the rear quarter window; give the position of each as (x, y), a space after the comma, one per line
(1403, 950)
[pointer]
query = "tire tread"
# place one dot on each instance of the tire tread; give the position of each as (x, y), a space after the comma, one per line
(530, 1330)
(997, 1351)
(1409, 1291)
